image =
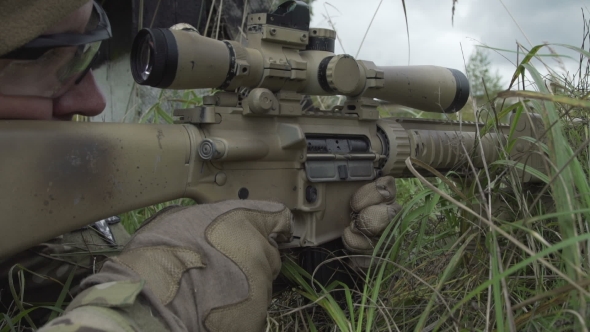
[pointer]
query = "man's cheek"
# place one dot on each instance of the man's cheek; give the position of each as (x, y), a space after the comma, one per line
(25, 108)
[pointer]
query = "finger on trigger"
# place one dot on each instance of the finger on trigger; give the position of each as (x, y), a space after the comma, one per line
(382, 190)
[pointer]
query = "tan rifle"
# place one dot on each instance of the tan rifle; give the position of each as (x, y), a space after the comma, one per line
(251, 140)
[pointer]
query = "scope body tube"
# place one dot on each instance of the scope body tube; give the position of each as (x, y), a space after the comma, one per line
(77, 173)
(179, 59)
(428, 88)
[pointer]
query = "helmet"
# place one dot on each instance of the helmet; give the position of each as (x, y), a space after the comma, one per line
(23, 20)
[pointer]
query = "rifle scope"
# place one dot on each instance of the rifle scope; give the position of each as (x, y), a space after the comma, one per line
(287, 57)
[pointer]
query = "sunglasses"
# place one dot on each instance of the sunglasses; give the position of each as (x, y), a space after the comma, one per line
(35, 54)
(39, 46)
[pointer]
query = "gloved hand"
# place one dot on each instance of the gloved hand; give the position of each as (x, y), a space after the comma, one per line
(373, 207)
(205, 267)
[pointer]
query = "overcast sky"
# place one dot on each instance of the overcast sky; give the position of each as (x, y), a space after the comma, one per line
(433, 38)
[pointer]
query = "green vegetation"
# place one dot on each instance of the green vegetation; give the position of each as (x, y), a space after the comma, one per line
(483, 83)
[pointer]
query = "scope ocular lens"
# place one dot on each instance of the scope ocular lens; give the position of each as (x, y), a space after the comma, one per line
(154, 58)
(145, 58)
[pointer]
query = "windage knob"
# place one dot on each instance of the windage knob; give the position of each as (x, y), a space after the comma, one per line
(342, 74)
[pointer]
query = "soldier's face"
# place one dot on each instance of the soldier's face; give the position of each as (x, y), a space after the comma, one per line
(35, 90)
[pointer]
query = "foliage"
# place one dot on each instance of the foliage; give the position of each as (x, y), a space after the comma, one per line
(483, 82)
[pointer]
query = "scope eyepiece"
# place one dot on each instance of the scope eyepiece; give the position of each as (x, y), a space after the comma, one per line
(154, 57)
(180, 58)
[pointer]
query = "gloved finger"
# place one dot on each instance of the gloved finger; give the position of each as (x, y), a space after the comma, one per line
(379, 191)
(278, 224)
(358, 243)
(242, 235)
(272, 220)
(373, 219)
(242, 230)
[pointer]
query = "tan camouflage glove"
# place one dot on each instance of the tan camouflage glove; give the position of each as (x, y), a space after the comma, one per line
(374, 207)
(205, 267)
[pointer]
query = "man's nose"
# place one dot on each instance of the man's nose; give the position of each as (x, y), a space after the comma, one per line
(84, 98)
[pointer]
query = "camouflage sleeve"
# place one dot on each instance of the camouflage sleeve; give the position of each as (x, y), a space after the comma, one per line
(41, 272)
(113, 306)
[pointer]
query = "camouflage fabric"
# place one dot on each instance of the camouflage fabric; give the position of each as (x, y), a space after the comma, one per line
(46, 267)
(112, 306)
